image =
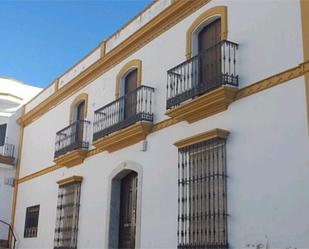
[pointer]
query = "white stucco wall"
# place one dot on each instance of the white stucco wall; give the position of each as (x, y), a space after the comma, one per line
(267, 164)
(267, 151)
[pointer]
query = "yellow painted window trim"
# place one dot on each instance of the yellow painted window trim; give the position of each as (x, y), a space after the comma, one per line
(129, 65)
(215, 11)
(69, 180)
(215, 133)
(81, 97)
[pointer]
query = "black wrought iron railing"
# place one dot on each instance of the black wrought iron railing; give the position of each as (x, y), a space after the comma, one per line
(214, 67)
(124, 111)
(7, 150)
(7, 235)
(75, 136)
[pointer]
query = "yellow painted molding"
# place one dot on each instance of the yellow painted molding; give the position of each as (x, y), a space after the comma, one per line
(39, 173)
(17, 172)
(79, 98)
(205, 105)
(158, 25)
(70, 180)
(215, 133)
(274, 80)
(220, 11)
(124, 137)
(304, 6)
(129, 65)
(71, 158)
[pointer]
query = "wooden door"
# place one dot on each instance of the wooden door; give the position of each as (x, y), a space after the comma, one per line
(80, 117)
(128, 200)
(210, 55)
(130, 94)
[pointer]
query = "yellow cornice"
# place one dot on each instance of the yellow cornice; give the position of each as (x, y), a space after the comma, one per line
(205, 105)
(254, 88)
(71, 158)
(215, 11)
(131, 64)
(69, 180)
(215, 133)
(124, 137)
(159, 24)
(304, 6)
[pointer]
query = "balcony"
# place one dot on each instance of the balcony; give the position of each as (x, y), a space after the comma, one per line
(72, 144)
(7, 154)
(203, 85)
(125, 121)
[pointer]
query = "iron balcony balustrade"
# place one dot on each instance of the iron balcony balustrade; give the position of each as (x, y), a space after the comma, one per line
(133, 107)
(210, 69)
(75, 136)
(7, 153)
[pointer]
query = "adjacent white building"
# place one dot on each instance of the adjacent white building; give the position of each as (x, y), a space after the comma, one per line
(13, 94)
(187, 128)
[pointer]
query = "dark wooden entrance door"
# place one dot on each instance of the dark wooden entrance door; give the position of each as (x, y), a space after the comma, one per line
(80, 116)
(127, 226)
(130, 99)
(210, 55)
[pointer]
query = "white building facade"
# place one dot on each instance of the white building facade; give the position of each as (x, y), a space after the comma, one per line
(13, 94)
(186, 128)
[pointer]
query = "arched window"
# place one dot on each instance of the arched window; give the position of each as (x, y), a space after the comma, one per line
(216, 20)
(78, 116)
(204, 46)
(131, 71)
(78, 110)
(128, 80)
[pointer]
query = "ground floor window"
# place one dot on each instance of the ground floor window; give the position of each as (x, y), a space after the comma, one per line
(202, 200)
(31, 222)
(67, 215)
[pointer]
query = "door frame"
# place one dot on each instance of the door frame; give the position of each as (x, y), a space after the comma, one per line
(113, 203)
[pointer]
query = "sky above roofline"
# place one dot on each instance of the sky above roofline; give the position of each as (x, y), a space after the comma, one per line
(40, 40)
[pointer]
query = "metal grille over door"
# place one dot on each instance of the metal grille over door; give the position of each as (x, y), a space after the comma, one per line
(202, 201)
(67, 216)
(127, 227)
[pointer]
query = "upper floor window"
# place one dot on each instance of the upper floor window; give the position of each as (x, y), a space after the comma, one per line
(211, 59)
(31, 222)
(76, 135)
(133, 103)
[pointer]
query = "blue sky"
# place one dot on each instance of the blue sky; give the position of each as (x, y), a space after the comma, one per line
(39, 40)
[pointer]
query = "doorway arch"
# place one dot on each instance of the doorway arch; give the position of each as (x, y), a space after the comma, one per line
(115, 182)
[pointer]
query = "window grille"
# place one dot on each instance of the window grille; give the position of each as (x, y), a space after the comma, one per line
(202, 200)
(67, 216)
(31, 222)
